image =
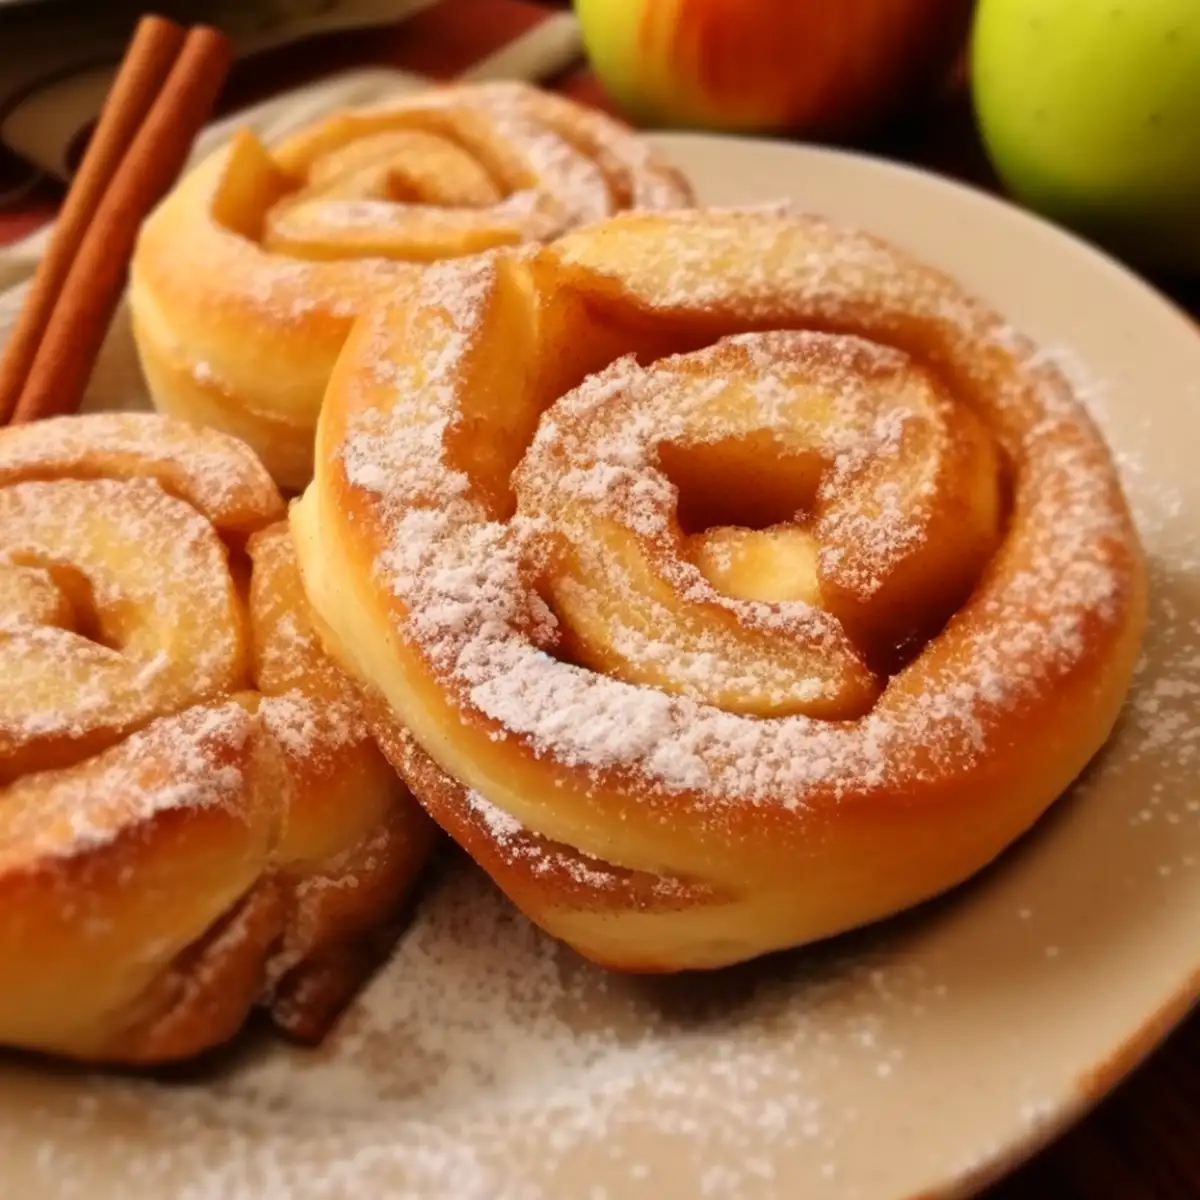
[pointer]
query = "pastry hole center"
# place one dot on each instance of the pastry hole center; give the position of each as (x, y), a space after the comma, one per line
(748, 482)
(76, 605)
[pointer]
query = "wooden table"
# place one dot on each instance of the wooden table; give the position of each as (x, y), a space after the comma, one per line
(1143, 1143)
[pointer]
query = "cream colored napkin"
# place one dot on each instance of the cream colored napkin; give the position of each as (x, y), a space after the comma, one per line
(117, 381)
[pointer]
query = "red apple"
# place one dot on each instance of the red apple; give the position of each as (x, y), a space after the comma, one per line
(823, 68)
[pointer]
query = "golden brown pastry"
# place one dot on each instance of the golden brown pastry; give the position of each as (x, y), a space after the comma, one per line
(738, 579)
(194, 818)
(247, 277)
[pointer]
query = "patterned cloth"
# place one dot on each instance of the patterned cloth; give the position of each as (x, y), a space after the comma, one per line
(440, 40)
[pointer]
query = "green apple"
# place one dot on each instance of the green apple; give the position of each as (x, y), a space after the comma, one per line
(1090, 111)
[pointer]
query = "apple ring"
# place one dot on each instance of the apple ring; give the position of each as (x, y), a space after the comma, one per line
(721, 580)
(247, 277)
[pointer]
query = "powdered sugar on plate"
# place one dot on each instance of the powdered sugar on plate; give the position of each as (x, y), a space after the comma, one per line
(1160, 719)
(488, 1046)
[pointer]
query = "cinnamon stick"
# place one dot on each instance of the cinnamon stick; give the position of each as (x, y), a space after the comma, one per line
(151, 54)
(89, 294)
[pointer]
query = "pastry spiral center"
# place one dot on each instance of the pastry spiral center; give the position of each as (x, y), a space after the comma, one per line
(879, 495)
(120, 598)
(434, 175)
(93, 644)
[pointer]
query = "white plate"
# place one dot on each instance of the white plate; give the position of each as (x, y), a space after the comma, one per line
(917, 1059)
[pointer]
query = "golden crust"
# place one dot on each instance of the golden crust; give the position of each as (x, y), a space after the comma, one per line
(195, 819)
(439, 575)
(246, 279)
(353, 843)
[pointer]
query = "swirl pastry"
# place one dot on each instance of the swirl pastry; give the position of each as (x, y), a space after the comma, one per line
(194, 818)
(247, 277)
(719, 580)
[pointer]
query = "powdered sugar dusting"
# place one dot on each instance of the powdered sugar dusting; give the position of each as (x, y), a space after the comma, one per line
(310, 707)
(174, 741)
(309, 727)
(1059, 583)
(486, 1062)
(1160, 718)
(123, 634)
(177, 762)
(847, 402)
(213, 472)
(516, 844)
(503, 827)
(549, 164)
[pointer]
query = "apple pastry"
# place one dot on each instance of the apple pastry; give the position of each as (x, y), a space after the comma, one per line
(720, 581)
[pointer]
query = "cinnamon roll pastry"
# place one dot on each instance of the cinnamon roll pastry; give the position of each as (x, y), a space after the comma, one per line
(247, 277)
(194, 818)
(719, 580)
